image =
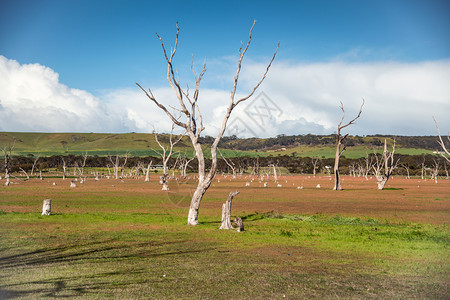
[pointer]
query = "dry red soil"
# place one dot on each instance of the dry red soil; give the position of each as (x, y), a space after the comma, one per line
(404, 200)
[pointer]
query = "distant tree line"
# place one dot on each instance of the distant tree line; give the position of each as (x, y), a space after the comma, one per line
(232, 142)
(412, 165)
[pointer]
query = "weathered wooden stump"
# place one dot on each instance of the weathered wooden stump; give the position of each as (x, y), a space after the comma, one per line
(226, 212)
(47, 207)
(239, 224)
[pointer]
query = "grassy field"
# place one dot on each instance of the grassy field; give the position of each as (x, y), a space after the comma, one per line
(141, 144)
(127, 239)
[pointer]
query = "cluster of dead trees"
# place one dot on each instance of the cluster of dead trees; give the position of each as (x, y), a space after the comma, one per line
(188, 117)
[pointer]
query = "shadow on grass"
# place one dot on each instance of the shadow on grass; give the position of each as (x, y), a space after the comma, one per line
(94, 252)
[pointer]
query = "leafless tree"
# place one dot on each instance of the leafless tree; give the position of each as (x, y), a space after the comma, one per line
(442, 144)
(340, 147)
(34, 165)
(194, 121)
(64, 166)
(166, 154)
(7, 153)
(147, 172)
(406, 167)
(83, 163)
(116, 164)
(229, 163)
(315, 162)
(385, 166)
(184, 165)
(435, 170)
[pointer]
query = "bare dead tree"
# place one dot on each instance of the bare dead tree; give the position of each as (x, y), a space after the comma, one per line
(147, 172)
(34, 165)
(229, 163)
(184, 165)
(194, 121)
(423, 168)
(7, 153)
(115, 165)
(166, 154)
(406, 167)
(315, 162)
(275, 176)
(124, 163)
(340, 147)
(385, 166)
(442, 144)
(26, 174)
(83, 163)
(435, 170)
(64, 166)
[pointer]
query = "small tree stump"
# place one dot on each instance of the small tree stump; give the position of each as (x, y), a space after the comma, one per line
(226, 212)
(239, 224)
(47, 207)
(73, 184)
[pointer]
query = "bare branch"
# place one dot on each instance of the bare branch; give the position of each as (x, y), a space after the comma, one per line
(441, 142)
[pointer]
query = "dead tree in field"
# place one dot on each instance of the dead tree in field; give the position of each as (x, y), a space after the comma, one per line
(166, 155)
(442, 144)
(115, 165)
(147, 172)
(315, 161)
(34, 165)
(64, 166)
(83, 163)
(226, 212)
(124, 164)
(384, 166)
(193, 124)
(229, 163)
(275, 176)
(184, 165)
(7, 153)
(340, 147)
(406, 167)
(435, 170)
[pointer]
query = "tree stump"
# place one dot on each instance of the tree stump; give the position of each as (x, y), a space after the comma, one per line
(226, 212)
(239, 224)
(47, 207)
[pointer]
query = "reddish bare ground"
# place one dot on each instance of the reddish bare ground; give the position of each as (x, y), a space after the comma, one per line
(410, 200)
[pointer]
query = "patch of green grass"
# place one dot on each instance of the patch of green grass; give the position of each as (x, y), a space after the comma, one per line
(108, 249)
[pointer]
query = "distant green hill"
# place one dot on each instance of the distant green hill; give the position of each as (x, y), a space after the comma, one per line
(141, 144)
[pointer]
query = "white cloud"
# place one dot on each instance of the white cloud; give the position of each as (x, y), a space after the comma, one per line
(401, 98)
(32, 99)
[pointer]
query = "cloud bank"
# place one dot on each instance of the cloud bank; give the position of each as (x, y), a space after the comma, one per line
(296, 98)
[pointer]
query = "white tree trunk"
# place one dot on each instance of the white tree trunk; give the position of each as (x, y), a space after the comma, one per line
(46, 207)
(226, 212)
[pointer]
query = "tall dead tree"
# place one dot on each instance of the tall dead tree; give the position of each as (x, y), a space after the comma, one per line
(315, 162)
(7, 153)
(340, 147)
(147, 172)
(34, 165)
(166, 154)
(229, 163)
(193, 124)
(442, 144)
(384, 166)
(64, 166)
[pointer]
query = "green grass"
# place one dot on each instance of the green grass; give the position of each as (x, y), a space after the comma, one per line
(141, 144)
(134, 255)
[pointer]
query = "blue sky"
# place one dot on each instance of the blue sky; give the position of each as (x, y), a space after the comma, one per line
(103, 47)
